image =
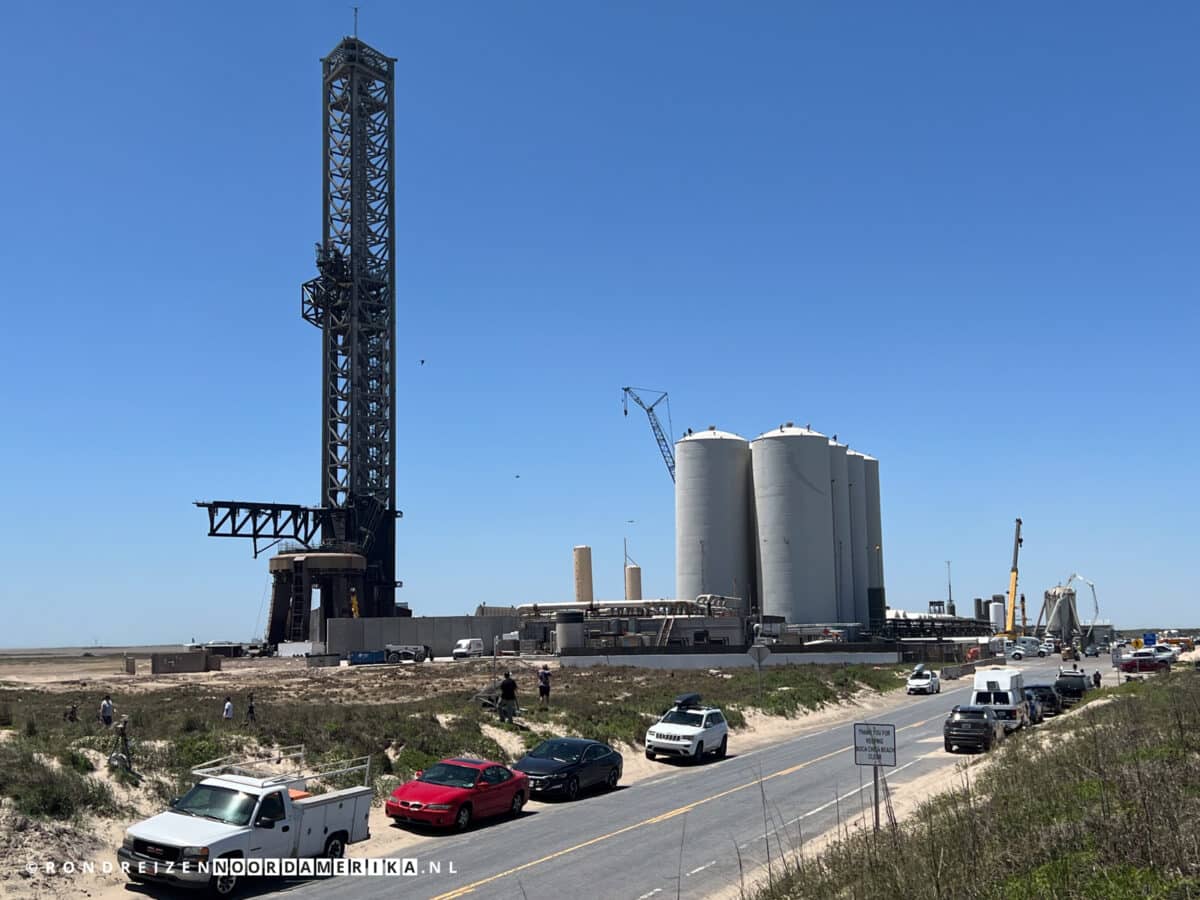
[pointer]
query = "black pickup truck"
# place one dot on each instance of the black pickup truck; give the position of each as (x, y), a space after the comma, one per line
(1071, 686)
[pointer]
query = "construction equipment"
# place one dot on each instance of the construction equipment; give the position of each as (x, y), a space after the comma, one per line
(1010, 607)
(1063, 594)
(664, 445)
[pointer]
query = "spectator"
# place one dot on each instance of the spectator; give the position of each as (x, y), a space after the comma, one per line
(1096, 678)
(106, 711)
(250, 717)
(228, 713)
(508, 698)
(544, 685)
(72, 713)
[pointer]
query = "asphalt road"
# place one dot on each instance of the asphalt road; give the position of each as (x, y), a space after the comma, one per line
(626, 845)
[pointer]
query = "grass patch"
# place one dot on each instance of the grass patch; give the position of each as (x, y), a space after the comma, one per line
(41, 790)
(1096, 807)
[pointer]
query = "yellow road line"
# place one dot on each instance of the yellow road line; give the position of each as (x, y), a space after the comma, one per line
(663, 817)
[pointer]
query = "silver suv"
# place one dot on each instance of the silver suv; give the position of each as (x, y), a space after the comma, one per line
(690, 730)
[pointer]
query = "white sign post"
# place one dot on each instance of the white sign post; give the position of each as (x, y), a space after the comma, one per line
(874, 746)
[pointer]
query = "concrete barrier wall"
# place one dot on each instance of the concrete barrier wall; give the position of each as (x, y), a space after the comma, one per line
(437, 632)
(727, 660)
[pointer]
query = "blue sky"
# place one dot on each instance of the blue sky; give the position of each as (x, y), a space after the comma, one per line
(964, 239)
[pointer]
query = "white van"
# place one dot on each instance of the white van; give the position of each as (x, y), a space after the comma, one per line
(1003, 689)
(467, 647)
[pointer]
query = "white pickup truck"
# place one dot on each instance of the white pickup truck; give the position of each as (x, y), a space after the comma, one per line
(239, 808)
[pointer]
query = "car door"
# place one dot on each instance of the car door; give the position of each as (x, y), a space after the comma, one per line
(497, 799)
(272, 835)
(592, 770)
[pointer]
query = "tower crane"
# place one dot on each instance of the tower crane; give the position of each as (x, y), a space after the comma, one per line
(664, 445)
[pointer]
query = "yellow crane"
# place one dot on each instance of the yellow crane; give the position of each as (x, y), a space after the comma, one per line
(1010, 608)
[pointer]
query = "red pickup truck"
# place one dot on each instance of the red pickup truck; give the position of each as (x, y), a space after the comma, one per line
(1141, 664)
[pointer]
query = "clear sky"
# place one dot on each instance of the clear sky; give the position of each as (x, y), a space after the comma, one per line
(962, 237)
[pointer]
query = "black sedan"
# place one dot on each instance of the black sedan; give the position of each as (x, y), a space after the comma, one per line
(566, 766)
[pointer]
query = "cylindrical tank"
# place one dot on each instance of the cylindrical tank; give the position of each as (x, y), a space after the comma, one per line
(874, 523)
(568, 629)
(843, 553)
(633, 583)
(712, 515)
(860, 553)
(792, 512)
(980, 612)
(996, 614)
(583, 574)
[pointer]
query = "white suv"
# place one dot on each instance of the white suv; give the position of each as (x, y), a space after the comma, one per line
(689, 729)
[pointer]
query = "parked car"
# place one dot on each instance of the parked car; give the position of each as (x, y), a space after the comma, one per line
(922, 681)
(1002, 689)
(467, 647)
(1143, 663)
(455, 792)
(1071, 686)
(1048, 697)
(566, 766)
(972, 728)
(688, 729)
(1036, 715)
(1167, 651)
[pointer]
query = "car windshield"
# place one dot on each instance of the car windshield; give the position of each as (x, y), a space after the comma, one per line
(450, 775)
(920, 676)
(683, 717)
(970, 714)
(223, 804)
(562, 751)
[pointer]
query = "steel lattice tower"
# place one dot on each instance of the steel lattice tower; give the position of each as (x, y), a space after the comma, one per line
(353, 301)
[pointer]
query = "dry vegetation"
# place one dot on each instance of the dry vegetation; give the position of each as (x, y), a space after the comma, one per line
(1106, 807)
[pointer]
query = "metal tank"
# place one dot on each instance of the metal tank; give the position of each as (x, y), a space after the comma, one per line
(792, 511)
(633, 583)
(843, 554)
(874, 525)
(860, 556)
(568, 629)
(996, 614)
(583, 574)
(713, 515)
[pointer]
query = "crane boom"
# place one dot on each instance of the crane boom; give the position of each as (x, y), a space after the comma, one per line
(664, 445)
(1010, 622)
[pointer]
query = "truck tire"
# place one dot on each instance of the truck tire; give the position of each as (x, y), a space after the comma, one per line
(393, 657)
(335, 847)
(649, 753)
(949, 747)
(225, 886)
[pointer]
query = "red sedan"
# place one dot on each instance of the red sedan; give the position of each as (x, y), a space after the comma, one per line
(455, 791)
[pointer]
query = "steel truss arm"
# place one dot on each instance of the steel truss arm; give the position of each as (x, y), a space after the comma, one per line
(272, 522)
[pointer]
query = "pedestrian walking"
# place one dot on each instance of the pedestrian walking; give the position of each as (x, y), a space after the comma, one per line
(250, 717)
(1096, 678)
(544, 685)
(228, 712)
(508, 698)
(106, 711)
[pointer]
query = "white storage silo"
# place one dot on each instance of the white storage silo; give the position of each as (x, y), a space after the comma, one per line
(860, 557)
(713, 516)
(996, 615)
(843, 554)
(792, 511)
(874, 525)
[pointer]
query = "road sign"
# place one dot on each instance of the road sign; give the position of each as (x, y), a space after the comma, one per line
(1150, 638)
(759, 653)
(874, 744)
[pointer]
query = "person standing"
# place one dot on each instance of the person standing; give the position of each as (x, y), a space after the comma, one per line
(228, 712)
(508, 698)
(544, 685)
(1096, 678)
(251, 718)
(106, 711)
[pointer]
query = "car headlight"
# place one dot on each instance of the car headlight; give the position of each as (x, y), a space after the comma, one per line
(440, 807)
(199, 854)
(559, 776)
(128, 842)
